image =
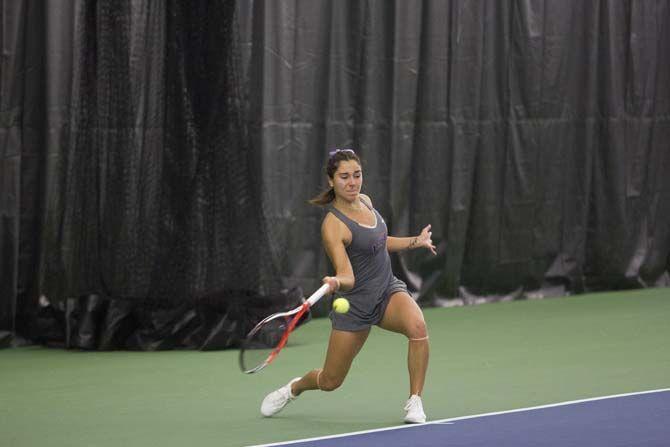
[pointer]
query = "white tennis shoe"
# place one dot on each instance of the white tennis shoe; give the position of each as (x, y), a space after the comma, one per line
(278, 399)
(414, 409)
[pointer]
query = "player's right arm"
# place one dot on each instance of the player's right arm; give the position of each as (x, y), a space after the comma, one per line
(335, 235)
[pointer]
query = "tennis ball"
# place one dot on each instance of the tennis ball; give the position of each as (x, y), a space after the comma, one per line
(341, 305)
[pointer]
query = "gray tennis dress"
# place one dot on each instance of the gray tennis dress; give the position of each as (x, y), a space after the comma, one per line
(374, 281)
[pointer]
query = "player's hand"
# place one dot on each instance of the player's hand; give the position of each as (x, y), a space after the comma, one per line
(424, 240)
(333, 282)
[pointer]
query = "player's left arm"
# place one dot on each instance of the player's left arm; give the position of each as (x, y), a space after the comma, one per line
(423, 240)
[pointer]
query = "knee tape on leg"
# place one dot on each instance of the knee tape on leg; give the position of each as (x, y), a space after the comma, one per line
(318, 376)
(418, 339)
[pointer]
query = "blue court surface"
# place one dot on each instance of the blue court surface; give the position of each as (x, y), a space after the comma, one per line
(636, 419)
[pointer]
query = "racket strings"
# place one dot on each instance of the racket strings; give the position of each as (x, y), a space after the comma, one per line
(263, 345)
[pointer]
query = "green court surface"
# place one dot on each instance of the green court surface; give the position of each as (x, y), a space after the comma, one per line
(485, 358)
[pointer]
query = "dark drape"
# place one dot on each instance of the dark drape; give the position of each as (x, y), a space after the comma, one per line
(22, 159)
(532, 135)
(150, 225)
(156, 155)
(155, 190)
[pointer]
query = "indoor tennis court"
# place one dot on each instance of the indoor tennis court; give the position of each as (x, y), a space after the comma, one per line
(489, 358)
(205, 205)
(624, 419)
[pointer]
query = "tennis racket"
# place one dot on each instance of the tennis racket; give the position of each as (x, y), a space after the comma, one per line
(267, 338)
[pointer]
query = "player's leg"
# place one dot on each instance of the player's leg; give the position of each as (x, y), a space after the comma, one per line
(404, 316)
(343, 347)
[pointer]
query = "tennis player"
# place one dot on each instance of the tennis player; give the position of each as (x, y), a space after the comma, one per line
(355, 238)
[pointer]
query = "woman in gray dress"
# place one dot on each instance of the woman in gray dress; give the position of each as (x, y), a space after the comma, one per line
(355, 238)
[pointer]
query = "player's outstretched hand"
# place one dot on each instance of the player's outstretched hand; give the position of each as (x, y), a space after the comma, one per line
(424, 240)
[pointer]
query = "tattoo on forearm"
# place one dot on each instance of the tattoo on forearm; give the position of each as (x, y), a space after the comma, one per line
(412, 243)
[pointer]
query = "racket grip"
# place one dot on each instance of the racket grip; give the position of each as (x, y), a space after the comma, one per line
(316, 296)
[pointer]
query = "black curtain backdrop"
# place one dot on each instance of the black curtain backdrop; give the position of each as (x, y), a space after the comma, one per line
(532, 135)
(156, 157)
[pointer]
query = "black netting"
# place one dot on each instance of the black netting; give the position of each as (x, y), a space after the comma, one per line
(157, 195)
(531, 135)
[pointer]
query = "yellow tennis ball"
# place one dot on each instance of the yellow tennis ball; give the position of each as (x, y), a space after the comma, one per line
(341, 305)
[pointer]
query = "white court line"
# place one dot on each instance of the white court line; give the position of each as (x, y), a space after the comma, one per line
(461, 418)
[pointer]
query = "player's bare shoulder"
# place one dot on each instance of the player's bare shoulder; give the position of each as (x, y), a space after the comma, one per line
(333, 230)
(366, 199)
